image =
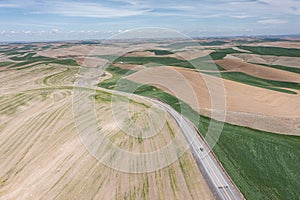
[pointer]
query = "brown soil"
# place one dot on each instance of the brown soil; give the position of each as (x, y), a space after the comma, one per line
(258, 70)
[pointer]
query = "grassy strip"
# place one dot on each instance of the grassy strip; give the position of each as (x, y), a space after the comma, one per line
(144, 90)
(117, 74)
(275, 51)
(181, 45)
(161, 52)
(3, 64)
(263, 165)
(258, 40)
(218, 55)
(68, 62)
(158, 60)
(30, 58)
(199, 64)
(20, 64)
(258, 82)
(111, 58)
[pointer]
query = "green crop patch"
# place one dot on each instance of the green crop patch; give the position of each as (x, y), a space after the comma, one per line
(181, 45)
(274, 51)
(158, 60)
(4, 64)
(161, 52)
(69, 62)
(199, 64)
(258, 82)
(117, 74)
(263, 165)
(218, 55)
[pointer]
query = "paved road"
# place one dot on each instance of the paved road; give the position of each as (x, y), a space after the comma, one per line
(218, 180)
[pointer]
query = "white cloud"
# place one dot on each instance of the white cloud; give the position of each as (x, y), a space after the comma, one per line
(286, 6)
(240, 16)
(9, 5)
(82, 9)
(54, 31)
(272, 21)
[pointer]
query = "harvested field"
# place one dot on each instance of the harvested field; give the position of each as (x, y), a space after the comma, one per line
(130, 66)
(258, 70)
(42, 155)
(240, 98)
(79, 50)
(91, 61)
(285, 44)
(271, 60)
(192, 54)
(140, 54)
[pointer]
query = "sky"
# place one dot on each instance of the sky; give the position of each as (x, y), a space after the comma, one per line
(43, 20)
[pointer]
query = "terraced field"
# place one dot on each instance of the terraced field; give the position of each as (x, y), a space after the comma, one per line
(43, 156)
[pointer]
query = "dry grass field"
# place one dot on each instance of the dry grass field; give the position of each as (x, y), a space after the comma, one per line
(43, 157)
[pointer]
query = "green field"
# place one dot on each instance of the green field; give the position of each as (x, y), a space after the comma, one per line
(259, 82)
(181, 45)
(157, 60)
(161, 52)
(218, 55)
(263, 165)
(274, 51)
(199, 64)
(289, 69)
(3, 64)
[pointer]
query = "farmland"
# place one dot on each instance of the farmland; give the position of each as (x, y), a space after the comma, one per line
(259, 162)
(43, 153)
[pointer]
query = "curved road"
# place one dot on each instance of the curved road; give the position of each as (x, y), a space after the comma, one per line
(218, 180)
(211, 168)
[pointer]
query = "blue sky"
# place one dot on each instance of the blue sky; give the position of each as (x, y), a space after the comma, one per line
(39, 20)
